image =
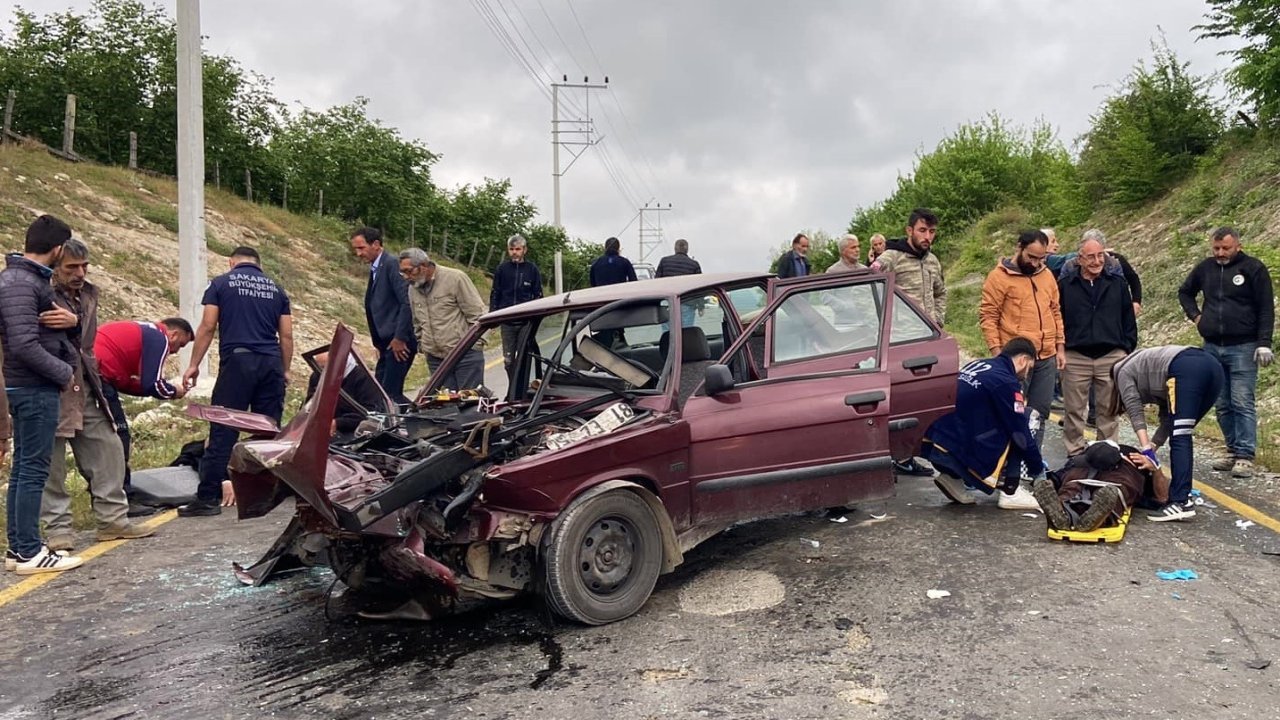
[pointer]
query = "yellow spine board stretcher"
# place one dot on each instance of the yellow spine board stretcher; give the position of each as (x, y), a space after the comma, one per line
(1106, 534)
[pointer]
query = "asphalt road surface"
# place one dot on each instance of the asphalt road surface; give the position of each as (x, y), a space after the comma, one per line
(759, 623)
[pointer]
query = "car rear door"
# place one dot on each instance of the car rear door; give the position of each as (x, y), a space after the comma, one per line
(923, 364)
(809, 429)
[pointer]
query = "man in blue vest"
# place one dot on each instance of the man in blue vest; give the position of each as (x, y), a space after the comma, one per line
(255, 347)
(986, 442)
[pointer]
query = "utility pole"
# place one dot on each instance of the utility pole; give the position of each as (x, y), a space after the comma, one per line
(651, 233)
(192, 266)
(575, 133)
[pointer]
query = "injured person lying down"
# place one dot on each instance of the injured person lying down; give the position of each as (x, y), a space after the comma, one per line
(1096, 486)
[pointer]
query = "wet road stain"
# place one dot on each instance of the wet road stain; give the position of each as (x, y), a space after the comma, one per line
(274, 649)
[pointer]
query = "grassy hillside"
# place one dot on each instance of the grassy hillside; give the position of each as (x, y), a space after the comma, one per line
(130, 222)
(1237, 185)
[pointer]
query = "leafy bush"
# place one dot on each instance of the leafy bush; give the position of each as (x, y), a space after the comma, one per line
(981, 167)
(1147, 137)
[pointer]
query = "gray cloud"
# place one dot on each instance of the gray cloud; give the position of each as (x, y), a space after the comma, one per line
(757, 118)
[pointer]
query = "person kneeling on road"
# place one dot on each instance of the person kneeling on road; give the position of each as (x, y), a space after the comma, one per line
(1098, 485)
(987, 440)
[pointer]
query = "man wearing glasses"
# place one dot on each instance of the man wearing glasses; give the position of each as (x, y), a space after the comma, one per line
(445, 304)
(1101, 329)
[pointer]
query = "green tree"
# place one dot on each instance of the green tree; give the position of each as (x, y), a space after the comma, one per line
(119, 59)
(1147, 136)
(1257, 71)
(368, 172)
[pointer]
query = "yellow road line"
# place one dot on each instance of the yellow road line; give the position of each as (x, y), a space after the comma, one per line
(1224, 500)
(32, 582)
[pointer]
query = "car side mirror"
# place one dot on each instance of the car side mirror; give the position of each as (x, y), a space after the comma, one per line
(718, 379)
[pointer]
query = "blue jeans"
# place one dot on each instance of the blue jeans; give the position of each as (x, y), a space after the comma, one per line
(35, 420)
(1237, 415)
(1197, 382)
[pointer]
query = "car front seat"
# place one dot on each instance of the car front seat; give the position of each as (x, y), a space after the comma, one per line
(695, 357)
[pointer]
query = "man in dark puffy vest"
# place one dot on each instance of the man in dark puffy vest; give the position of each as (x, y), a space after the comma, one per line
(681, 264)
(38, 363)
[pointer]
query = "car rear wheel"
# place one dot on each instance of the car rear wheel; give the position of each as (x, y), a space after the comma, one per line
(603, 558)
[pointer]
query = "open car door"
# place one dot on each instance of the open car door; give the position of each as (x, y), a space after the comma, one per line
(794, 416)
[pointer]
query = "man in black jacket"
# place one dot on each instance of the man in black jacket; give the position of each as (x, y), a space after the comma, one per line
(516, 280)
(37, 364)
(1236, 322)
(386, 308)
(1100, 328)
(793, 262)
(681, 264)
(612, 268)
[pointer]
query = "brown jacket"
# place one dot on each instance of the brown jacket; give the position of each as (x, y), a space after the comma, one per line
(1016, 305)
(85, 378)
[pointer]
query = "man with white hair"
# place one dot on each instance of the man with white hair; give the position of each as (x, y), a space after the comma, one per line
(445, 304)
(1100, 330)
(850, 253)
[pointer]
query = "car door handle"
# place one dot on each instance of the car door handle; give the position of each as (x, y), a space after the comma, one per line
(903, 424)
(870, 397)
(920, 363)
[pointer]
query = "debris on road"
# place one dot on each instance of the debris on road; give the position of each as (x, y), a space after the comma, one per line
(1185, 574)
(936, 594)
(1244, 524)
(841, 519)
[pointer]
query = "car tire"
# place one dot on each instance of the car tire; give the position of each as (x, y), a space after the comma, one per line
(603, 558)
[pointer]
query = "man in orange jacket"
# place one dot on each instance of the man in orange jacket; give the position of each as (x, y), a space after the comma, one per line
(1020, 299)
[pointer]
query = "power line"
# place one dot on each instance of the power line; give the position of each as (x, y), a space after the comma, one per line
(584, 33)
(559, 37)
(626, 156)
(504, 39)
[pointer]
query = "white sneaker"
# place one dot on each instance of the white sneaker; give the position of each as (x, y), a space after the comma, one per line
(1021, 499)
(47, 561)
(10, 560)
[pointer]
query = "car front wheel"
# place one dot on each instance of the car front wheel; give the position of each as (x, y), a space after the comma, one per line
(603, 558)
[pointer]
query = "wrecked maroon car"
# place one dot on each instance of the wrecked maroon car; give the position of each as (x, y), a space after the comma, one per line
(636, 421)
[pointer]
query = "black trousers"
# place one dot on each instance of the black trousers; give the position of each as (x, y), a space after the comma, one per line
(246, 381)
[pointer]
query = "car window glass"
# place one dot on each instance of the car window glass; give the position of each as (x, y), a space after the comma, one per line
(814, 323)
(748, 301)
(622, 350)
(908, 324)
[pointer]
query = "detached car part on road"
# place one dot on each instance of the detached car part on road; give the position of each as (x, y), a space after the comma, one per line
(629, 441)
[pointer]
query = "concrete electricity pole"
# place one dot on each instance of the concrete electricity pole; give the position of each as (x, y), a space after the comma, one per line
(193, 272)
(577, 132)
(651, 235)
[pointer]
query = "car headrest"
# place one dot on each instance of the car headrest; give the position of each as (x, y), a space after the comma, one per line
(694, 347)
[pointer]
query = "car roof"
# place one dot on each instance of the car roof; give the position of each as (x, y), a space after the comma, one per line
(655, 288)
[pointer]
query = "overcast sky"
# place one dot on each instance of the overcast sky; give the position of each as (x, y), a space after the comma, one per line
(754, 119)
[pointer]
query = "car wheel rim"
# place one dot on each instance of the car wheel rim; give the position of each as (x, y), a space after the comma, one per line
(607, 555)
